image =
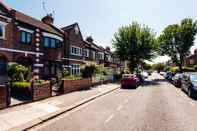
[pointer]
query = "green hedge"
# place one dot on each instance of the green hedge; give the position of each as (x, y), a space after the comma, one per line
(72, 77)
(20, 84)
(185, 69)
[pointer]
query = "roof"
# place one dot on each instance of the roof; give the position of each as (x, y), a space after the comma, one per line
(36, 23)
(69, 27)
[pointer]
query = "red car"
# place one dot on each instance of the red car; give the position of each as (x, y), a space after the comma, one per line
(129, 81)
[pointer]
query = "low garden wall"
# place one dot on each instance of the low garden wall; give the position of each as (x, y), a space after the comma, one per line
(41, 90)
(75, 85)
(4, 96)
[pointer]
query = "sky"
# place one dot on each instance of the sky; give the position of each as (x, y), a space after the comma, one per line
(102, 18)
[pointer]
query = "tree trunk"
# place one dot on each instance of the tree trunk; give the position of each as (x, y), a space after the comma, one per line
(181, 64)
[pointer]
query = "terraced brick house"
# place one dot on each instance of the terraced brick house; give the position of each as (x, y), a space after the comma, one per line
(74, 57)
(31, 42)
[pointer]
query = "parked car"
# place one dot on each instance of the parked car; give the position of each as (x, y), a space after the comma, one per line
(129, 81)
(144, 75)
(162, 73)
(176, 80)
(169, 76)
(189, 84)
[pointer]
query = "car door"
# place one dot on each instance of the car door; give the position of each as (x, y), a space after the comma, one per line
(184, 82)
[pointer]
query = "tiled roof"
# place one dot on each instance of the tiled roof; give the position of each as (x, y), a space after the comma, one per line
(69, 27)
(36, 23)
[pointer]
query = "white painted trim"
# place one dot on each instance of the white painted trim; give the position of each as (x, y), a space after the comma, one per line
(76, 48)
(52, 36)
(6, 17)
(73, 59)
(38, 65)
(20, 51)
(26, 30)
(3, 24)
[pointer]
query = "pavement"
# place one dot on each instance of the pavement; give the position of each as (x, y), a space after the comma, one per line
(28, 115)
(156, 106)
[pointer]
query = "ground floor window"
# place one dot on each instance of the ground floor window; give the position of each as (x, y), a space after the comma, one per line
(75, 69)
(3, 67)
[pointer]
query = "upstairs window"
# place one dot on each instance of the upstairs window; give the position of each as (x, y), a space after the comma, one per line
(2, 31)
(76, 51)
(26, 37)
(86, 53)
(52, 43)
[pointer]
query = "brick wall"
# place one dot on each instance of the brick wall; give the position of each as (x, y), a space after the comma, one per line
(41, 91)
(75, 85)
(4, 96)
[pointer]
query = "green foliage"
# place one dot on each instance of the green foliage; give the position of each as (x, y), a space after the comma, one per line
(135, 43)
(185, 69)
(72, 77)
(174, 69)
(101, 69)
(88, 70)
(188, 69)
(195, 67)
(18, 72)
(147, 66)
(20, 84)
(65, 72)
(177, 39)
(159, 67)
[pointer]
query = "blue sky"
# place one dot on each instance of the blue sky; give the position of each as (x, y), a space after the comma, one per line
(102, 18)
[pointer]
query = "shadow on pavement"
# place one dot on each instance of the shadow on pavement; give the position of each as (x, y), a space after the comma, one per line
(153, 82)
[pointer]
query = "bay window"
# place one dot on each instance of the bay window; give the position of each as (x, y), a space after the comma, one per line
(76, 51)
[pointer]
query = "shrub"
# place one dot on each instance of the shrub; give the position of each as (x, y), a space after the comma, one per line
(20, 84)
(188, 69)
(88, 70)
(174, 69)
(102, 70)
(18, 72)
(72, 77)
(195, 67)
(65, 72)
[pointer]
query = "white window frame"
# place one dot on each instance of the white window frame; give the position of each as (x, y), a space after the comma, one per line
(101, 55)
(86, 52)
(94, 54)
(76, 54)
(75, 69)
(3, 24)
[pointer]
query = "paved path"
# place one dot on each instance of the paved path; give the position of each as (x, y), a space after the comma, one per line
(157, 106)
(23, 116)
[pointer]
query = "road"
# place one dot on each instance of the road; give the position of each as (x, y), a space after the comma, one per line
(156, 106)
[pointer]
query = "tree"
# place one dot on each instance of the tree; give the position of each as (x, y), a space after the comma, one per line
(134, 43)
(177, 39)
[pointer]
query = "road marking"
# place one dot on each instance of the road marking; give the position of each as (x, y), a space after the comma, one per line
(191, 103)
(119, 107)
(109, 118)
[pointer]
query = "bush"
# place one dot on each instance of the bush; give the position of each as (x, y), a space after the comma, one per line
(185, 69)
(174, 69)
(188, 69)
(72, 77)
(18, 72)
(88, 70)
(20, 84)
(65, 72)
(102, 70)
(195, 67)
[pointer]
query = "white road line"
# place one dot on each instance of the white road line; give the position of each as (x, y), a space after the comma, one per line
(109, 118)
(119, 107)
(191, 103)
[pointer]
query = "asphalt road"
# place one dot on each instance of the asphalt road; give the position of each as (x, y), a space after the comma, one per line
(157, 106)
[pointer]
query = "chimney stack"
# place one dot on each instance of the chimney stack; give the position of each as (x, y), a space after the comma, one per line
(48, 19)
